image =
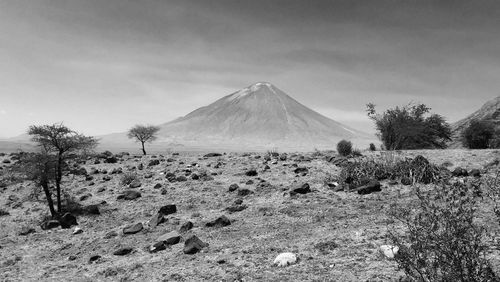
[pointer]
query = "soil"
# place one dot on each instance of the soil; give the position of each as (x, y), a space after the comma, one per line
(336, 236)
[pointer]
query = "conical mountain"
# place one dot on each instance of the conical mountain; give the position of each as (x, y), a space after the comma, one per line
(259, 116)
(490, 111)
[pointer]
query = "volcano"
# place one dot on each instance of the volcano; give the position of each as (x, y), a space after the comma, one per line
(260, 116)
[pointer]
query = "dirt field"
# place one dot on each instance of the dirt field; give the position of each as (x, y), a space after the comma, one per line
(335, 235)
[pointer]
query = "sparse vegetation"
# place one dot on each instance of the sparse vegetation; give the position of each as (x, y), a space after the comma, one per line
(442, 241)
(143, 134)
(407, 127)
(478, 135)
(127, 178)
(344, 147)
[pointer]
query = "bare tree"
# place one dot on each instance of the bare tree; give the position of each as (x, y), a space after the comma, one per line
(56, 143)
(143, 134)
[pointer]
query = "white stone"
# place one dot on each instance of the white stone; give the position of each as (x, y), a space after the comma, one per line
(389, 251)
(285, 259)
(77, 230)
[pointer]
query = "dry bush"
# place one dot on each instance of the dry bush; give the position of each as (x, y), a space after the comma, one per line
(344, 147)
(441, 241)
(127, 178)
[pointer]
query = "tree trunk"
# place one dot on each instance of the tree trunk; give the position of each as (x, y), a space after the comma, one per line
(143, 150)
(50, 203)
(58, 182)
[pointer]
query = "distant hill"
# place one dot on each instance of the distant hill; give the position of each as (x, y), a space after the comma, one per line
(490, 111)
(260, 116)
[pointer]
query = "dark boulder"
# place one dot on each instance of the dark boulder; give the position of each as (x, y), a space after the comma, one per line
(301, 170)
(132, 229)
(168, 209)
(154, 162)
(475, 173)
(251, 172)
(460, 172)
(303, 189)
(186, 226)
(193, 244)
(372, 186)
(129, 195)
(170, 238)
(49, 224)
(123, 251)
(219, 222)
(211, 155)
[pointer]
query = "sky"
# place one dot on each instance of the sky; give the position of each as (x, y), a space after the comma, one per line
(103, 66)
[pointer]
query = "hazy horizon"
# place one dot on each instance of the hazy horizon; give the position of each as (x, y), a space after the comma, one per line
(103, 66)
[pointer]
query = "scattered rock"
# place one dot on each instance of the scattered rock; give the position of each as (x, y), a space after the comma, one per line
(251, 172)
(129, 195)
(135, 183)
(106, 178)
(285, 259)
(389, 251)
(236, 208)
(301, 170)
(26, 230)
(156, 220)
(123, 251)
(148, 175)
(156, 247)
(154, 162)
(168, 209)
(157, 186)
(193, 244)
(181, 178)
(244, 192)
(219, 222)
(372, 186)
(210, 155)
(111, 160)
(132, 229)
(171, 238)
(91, 209)
(85, 197)
(110, 234)
(303, 189)
(77, 230)
(94, 258)
(233, 187)
(186, 226)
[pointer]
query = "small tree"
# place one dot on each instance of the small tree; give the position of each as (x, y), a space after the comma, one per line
(478, 134)
(57, 142)
(408, 127)
(143, 134)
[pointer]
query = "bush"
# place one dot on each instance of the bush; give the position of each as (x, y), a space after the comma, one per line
(478, 135)
(127, 178)
(372, 147)
(418, 170)
(441, 241)
(408, 128)
(344, 148)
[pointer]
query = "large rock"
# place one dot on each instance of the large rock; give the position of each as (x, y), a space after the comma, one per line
(251, 172)
(186, 226)
(168, 209)
(219, 222)
(303, 189)
(132, 229)
(233, 187)
(193, 244)
(156, 220)
(136, 183)
(170, 238)
(129, 195)
(123, 251)
(285, 259)
(67, 220)
(460, 172)
(389, 251)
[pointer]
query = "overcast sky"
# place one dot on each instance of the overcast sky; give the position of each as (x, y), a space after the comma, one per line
(102, 66)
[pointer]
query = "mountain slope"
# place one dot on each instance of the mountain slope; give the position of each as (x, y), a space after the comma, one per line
(260, 116)
(490, 111)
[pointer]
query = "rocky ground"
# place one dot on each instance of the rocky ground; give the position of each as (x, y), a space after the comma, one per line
(245, 209)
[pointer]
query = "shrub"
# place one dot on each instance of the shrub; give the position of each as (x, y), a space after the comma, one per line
(418, 170)
(441, 241)
(372, 147)
(407, 127)
(478, 135)
(344, 147)
(127, 178)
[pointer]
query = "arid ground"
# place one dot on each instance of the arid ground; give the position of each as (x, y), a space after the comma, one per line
(335, 235)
